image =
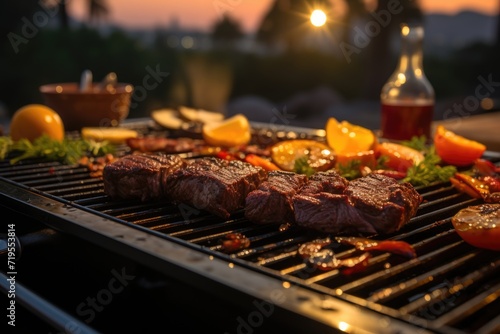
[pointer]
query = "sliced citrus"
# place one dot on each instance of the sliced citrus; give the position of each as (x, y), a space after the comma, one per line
(455, 149)
(318, 156)
(35, 120)
(345, 137)
(233, 131)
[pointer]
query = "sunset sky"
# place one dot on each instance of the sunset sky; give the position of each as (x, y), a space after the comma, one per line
(201, 14)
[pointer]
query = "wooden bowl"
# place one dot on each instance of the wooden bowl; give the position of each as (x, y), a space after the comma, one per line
(95, 107)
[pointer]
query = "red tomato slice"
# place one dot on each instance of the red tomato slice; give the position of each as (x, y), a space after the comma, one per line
(456, 150)
(479, 225)
(400, 157)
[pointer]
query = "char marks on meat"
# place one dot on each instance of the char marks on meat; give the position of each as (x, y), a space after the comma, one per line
(368, 205)
(272, 201)
(140, 176)
(215, 185)
(322, 205)
(383, 201)
(330, 182)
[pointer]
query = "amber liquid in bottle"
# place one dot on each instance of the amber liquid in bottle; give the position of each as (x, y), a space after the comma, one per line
(402, 121)
(407, 98)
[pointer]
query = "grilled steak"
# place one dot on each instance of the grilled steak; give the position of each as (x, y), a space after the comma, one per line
(272, 201)
(215, 185)
(330, 182)
(330, 213)
(141, 176)
(371, 204)
(162, 144)
(383, 201)
(322, 205)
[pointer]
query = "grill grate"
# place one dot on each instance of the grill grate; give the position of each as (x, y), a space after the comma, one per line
(449, 287)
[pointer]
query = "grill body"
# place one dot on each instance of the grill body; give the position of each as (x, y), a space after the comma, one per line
(451, 287)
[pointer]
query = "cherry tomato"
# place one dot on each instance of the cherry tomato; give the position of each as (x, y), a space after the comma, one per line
(399, 157)
(456, 150)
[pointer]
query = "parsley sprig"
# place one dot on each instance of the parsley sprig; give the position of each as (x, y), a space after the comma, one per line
(67, 151)
(429, 170)
(301, 166)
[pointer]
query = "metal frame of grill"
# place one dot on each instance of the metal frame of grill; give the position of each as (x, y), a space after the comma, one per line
(450, 287)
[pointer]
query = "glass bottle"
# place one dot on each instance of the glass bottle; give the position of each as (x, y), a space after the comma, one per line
(407, 98)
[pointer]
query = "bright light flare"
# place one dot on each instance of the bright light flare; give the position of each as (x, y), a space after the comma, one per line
(318, 18)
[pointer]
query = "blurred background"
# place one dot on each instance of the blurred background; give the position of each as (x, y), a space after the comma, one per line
(263, 58)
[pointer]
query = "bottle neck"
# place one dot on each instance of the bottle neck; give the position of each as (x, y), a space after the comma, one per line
(411, 50)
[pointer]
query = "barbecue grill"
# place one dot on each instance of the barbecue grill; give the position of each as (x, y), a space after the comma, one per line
(155, 264)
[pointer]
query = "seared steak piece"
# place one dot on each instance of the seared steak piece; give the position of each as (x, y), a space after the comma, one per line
(162, 144)
(215, 185)
(322, 205)
(383, 201)
(330, 213)
(330, 182)
(272, 201)
(372, 204)
(141, 176)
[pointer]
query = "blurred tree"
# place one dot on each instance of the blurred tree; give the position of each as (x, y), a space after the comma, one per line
(286, 22)
(226, 31)
(96, 10)
(378, 58)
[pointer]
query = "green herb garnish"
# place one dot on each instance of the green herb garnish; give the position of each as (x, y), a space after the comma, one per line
(5, 146)
(417, 143)
(301, 166)
(429, 171)
(351, 170)
(67, 151)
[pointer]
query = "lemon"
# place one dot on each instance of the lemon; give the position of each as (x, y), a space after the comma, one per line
(344, 137)
(112, 135)
(233, 131)
(35, 120)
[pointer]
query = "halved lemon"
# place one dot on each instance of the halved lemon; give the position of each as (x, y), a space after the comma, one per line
(345, 137)
(233, 131)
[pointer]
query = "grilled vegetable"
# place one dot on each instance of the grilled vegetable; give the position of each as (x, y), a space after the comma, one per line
(261, 162)
(391, 246)
(456, 150)
(479, 225)
(319, 156)
(399, 157)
